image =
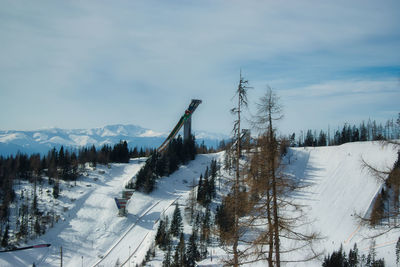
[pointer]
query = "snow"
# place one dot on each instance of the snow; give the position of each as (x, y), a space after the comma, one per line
(39, 137)
(92, 233)
(59, 140)
(82, 140)
(41, 141)
(341, 188)
(150, 133)
(7, 138)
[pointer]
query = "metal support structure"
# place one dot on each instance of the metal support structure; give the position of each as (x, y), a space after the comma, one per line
(187, 129)
(182, 121)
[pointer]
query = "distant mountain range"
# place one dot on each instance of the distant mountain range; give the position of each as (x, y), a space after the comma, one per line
(41, 141)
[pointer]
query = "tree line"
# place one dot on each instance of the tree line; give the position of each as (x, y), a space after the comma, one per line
(370, 131)
(181, 249)
(58, 164)
(386, 206)
(354, 259)
(178, 152)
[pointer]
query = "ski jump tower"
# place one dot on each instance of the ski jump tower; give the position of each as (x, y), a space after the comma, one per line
(186, 121)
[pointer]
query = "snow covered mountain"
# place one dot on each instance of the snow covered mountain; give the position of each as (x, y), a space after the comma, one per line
(40, 141)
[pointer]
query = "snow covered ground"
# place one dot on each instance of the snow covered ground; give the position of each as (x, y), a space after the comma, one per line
(339, 189)
(92, 233)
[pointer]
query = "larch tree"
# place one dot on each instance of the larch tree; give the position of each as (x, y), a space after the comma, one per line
(275, 214)
(231, 210)
(242, 102)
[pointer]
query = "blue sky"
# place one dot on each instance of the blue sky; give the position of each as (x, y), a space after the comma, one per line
(84, 64)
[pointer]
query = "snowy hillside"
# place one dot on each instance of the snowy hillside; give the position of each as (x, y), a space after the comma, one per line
(340, 189)
(92, 233)
(40, 141)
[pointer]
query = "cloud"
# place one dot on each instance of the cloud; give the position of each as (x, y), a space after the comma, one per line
(345, 88)
(140, 61)
(337, 102)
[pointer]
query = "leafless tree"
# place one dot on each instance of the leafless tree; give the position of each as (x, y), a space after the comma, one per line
(275, 213)
(242, 102)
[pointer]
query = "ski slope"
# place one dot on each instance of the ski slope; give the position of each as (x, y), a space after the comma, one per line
(339, 189)
(92, 233)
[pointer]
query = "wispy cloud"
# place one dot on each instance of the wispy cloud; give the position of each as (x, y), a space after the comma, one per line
(138, 61)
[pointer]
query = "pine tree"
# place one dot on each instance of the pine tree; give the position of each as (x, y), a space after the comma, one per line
(56, 189)
(167, 255)
(353, 256)
(193, 253)
(176, 223)
(321, 139)
(161, 234)
(200, 190)
(206, 226)
(363, 132)
(309, 141)
(4, 241)
(337, 259)
(180, 252)
(37, 226)
(206, 191)
(167, 238)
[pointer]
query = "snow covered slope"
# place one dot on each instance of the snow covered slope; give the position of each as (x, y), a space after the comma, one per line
(339, 189)
(92, 233)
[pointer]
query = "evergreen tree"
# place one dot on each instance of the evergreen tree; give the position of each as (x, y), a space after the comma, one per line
(176, 223)
(4, 240)
(193, 253)
(37, 226)
(200, 190)
(321, 139)
(206, 226)
(363, 132)
(161, 234)
(56, 189)
(353, 256)
(180, 252)
(337, 259)
(167, 256)
(206, 191)
(356, 134)
(309, 141)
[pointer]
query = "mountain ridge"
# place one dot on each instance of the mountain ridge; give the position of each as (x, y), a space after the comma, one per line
(42, 140)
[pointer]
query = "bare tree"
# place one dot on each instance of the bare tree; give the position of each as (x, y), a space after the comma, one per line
(386, 204)
(230, 230)
(260, 205)
(390, 180)
(241, 94)
(275, 213)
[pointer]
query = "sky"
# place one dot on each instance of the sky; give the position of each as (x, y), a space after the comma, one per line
(87, 64)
